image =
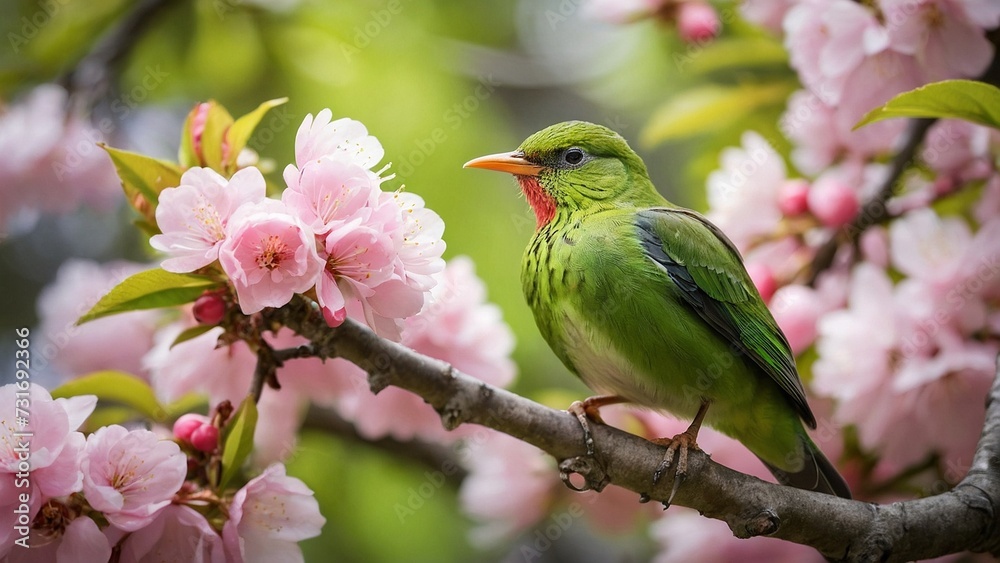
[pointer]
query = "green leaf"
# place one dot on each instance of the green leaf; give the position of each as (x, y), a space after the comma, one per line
(238, 441)
(144, 176)
(734, 54)
(239, 133)
(970, 100)
(151, 289)
(711, 108)
(216, 125)
(106, 416)
(191, 402)
(217, 121)
(118, 387)
(193, 332)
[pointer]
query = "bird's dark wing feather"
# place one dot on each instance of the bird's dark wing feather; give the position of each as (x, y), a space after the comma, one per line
(708, 270)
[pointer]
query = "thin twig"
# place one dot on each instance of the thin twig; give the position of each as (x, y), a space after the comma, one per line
(92, 77)
(874, 210)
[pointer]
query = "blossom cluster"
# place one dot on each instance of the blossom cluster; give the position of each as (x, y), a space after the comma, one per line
(361, 251)
(126, 490)
(334, 236)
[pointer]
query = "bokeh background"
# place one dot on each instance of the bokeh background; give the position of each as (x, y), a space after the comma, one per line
(438, 82)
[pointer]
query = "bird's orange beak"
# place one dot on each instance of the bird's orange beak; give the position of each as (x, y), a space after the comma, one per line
(510, 162)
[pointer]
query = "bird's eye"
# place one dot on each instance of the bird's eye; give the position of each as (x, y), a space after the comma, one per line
(573, 156)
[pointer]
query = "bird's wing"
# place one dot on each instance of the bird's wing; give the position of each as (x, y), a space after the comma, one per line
(708, 270)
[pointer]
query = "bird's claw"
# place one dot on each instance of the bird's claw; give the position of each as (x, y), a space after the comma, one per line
(679, 446)
(580, 410)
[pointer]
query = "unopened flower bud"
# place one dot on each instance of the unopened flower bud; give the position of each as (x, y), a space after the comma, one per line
(210, 308)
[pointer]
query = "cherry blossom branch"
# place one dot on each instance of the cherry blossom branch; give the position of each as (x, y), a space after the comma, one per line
(874, 210)
(965, 518)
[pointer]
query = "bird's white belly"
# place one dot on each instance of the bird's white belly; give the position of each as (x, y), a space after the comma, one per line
(603, 368)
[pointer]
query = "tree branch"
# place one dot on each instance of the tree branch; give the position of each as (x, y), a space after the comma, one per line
(874, 210)
(92, 76)
(965, 518)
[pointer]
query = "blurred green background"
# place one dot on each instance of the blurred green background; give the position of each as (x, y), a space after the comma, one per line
(438, 82)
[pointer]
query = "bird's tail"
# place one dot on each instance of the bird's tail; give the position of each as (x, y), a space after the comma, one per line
(817, 474)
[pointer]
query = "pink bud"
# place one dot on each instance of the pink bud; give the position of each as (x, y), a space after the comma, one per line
(796, 309)
(697, 21)
(793, 197)
(210, 308)
(187, 424)
(198, 122)
(205, 438)
(763, 278)
(833, 202)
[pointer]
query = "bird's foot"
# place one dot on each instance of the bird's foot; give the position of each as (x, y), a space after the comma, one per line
(590, 408)
(679, 445)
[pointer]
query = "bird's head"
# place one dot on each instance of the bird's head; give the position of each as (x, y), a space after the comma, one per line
(575, 166)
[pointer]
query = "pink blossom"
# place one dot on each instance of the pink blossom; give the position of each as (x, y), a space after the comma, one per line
(959, 150)
(509, 486)
(328, 192)
(809, 122)
(926, 246)
(116, 342)
(269, 516)
(178, 533)
(697, 21)
(459, 327)
(342, 138)
(874, 245)
(763, 279)
(684, 535)
(828, 40)
(209, 308)
(797, 308)
(938, 34)
(768, 14)
(358, 258)
(51, 451)
(743, 194)
(81, 542)
(200, 366)
(52, 162)
(197, 430)
(187, 423)
(793, 197)
(856, 343)
(269, 255)
(131, 476)
(422, 245)
(832, 202)
(195, 215)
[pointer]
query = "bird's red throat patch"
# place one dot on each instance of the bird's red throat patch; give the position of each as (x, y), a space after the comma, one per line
(543, 204)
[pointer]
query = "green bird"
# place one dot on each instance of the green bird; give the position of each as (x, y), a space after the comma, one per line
(650, 304)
